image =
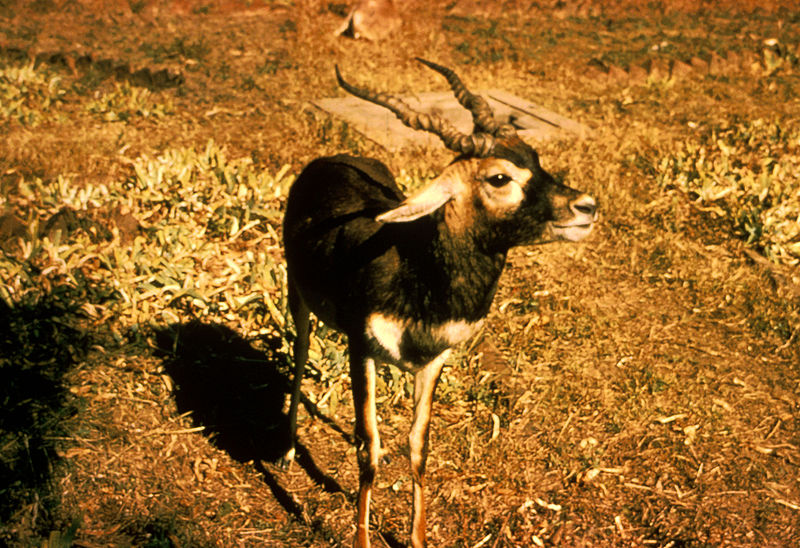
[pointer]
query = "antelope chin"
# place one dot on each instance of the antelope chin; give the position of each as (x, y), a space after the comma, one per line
(572, 232)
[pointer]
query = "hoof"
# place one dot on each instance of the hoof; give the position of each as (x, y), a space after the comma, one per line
(286, 460)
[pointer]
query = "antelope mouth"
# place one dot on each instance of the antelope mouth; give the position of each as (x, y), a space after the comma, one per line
(572, 231)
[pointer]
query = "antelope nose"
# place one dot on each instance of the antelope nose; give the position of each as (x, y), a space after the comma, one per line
(584, 205)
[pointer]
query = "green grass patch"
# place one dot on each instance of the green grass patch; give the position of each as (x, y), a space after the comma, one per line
(750, 171)
(126, 101)
(28, 93)
(169, 228)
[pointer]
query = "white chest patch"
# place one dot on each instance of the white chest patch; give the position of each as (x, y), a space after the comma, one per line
(388, 332)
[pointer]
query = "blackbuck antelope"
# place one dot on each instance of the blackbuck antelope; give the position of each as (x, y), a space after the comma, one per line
(407, 278)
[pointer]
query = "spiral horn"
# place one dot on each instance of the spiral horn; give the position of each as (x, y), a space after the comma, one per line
(482, 115)
(476, 144)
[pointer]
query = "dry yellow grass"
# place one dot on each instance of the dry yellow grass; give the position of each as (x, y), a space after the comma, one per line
(638, 389)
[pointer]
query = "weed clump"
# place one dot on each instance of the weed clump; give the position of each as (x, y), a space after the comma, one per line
(751, 171)
(27, 93)
(126, 101)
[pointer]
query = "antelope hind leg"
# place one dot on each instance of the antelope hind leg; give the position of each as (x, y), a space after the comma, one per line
(362, 372)
(302, 321)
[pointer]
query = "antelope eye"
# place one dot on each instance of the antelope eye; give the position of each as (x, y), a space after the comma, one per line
(498, 180)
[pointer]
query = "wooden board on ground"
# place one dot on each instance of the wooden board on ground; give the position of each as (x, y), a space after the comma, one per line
(380, 125)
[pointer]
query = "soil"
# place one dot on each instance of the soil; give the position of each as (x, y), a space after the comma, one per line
(640, 388)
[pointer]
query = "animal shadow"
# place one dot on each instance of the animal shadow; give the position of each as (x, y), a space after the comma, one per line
(234, 390)
(41, 340)
(237, 392)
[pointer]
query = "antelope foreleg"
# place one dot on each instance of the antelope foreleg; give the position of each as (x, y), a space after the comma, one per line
(424, 385)
(362, 372)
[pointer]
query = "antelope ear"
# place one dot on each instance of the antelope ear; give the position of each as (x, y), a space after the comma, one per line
(426, 201)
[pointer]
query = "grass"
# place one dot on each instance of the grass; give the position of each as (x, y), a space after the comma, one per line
(638, 389)
(179, 48)
(28, 95)
(750, 168)
(125, 101)
(160, 209)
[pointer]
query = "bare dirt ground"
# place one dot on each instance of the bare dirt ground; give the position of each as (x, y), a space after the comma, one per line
(641, 388)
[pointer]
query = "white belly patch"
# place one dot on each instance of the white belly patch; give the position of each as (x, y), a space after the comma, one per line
(456, 331)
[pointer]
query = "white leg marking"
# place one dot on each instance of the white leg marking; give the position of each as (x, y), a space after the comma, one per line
(367, 433)
(372, 418)
(424, 385)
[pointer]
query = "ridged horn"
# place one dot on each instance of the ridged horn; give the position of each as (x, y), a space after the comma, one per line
(477, 144)
(482, 115)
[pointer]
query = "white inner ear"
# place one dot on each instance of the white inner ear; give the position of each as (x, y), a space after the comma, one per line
(424, 202)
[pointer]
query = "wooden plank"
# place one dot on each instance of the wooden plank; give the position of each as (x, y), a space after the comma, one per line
(380, 125)
(532, 109)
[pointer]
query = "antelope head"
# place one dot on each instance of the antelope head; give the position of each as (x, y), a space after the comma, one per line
(495, 187)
